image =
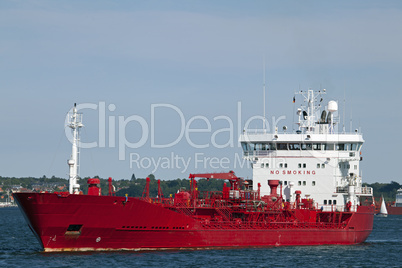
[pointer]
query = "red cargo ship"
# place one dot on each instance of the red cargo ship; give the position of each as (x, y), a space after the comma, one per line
(320, 209)
(231, 218)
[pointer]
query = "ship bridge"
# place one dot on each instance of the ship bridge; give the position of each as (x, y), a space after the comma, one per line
(315, 159)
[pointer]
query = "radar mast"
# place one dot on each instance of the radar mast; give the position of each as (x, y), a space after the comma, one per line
(75, 123)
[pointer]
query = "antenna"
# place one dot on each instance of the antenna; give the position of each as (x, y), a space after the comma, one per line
(351, 119)
(344, 104)
(360, 128)
(263, 89)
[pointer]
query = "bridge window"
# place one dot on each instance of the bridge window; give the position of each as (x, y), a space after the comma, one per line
(329, 146)
(245, 146)
(267, 165)
(322, 165)
(340, 147)
(316, 146)
(294, 146)
(318, 165)
(299, 183)
(251, 146)
(313, 183)
(282, 146)
(359, 145)
(304, 165)
(325, 202)
(307, 146)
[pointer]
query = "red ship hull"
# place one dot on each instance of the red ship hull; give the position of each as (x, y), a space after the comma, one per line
(83, 222)
(394, 210)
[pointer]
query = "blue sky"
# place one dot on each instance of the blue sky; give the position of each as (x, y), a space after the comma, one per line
(202, 57)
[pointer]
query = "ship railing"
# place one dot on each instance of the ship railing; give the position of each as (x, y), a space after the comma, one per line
(240, 195)
(238, 224)
(364, 190)
(161, 200)
(220, 204)
(258, 153)
(338, 208)
(341, 189)
(332, 208)
(358, 190)
(303, 125)
(256, 131)
(210, 195)
(248, 195)
(191, 203)
(207, 203)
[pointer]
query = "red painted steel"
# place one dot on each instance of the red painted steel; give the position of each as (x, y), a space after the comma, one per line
(394, 210)
(192, 219)
(94, 187)
(391, 208)
(111, 191)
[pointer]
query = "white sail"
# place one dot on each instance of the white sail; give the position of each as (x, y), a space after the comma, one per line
(383, 209)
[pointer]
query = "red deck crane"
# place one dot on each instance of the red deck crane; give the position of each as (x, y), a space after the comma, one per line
(235, 182)
(230, 176)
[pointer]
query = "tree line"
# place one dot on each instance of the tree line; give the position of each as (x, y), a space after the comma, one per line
(133, 187)
(388, 190)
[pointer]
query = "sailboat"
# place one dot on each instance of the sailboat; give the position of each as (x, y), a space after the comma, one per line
(383, 210)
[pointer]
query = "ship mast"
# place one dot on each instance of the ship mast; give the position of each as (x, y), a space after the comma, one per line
(75, 123)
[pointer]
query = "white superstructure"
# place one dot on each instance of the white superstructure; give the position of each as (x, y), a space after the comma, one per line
(75, 123)
(398, 200)
(316, 160)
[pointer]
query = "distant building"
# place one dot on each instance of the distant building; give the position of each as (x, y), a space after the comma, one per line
(20, 190)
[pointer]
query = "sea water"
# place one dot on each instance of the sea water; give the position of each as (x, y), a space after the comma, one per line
(383, 248)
